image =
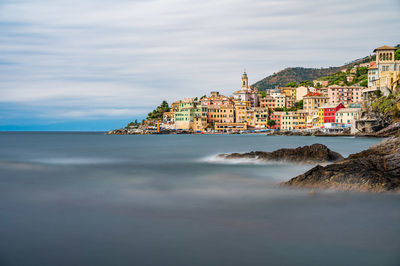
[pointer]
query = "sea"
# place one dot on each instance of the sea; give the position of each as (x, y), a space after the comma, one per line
(85, 198)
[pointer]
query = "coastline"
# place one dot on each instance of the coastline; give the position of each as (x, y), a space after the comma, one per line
(389, 131)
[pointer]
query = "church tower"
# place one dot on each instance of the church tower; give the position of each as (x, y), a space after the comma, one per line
(245, 81)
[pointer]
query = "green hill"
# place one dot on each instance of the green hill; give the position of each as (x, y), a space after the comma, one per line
(300, 74)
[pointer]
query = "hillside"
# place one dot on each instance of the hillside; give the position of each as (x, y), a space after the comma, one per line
(300, 74)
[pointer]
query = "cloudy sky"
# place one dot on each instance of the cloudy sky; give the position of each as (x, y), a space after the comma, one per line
(97, 64)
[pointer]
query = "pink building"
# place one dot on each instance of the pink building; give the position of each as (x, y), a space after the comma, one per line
(344, 94)
(267, 102)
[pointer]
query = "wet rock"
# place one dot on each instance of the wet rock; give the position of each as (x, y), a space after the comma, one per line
(316, 153)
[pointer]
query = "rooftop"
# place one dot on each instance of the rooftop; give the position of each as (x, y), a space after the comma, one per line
(330, 105)
(313, 94)
(385, 47)
(347, 110)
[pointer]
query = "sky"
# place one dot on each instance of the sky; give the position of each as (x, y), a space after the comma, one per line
(98, 64)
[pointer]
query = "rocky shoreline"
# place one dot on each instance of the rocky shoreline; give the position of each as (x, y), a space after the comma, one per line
(376, 169)
(386, 132)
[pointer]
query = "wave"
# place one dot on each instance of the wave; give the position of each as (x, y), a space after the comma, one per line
(215, 159)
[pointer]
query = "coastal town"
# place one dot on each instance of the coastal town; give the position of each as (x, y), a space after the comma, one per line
(320, 105)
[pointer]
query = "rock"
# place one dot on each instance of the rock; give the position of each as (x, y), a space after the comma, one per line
(376, 169)
(372, 121)
(316, 153)
(391, 130)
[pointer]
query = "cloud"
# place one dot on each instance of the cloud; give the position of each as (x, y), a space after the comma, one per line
(123, 54)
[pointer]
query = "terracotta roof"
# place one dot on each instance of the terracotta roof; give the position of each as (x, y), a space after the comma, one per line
(385, 47)
(313, 94)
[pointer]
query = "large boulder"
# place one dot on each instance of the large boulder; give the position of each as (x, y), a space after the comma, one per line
(316, 153)
(376, 169)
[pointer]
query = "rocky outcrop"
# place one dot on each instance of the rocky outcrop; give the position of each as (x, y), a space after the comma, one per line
(124, 131)
(138, 131)
(391, 130)
(376, 169)
(372, 121)
(316, 153)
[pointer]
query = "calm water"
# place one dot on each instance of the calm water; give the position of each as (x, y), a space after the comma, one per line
(91, 199)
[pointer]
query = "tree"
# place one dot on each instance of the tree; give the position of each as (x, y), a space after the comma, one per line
(397, 54)
(157, 113)
(292, 84)
(263, 94)
(306, 83)
(299, 104)
(271, 123)
(364, 83)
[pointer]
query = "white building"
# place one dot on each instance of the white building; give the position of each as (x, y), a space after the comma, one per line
(346, 116)
(246, 93)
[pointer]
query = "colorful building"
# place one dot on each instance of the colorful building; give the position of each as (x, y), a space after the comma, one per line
(241, 111)
(276, 116)
(326, 113)
(289, 121)
(385, 74)
(280, 100)
(188, 109)
(302, 119)
(347, 115)
(313, 101)
(344, 94)
(260, 117)
(220, 113)
(267, 102)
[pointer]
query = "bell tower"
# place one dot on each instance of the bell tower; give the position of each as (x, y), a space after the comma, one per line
(245, 81)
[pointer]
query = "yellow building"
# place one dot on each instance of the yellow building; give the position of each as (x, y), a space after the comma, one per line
(288, 92)
(302, 119)
(175, 105)
(220, 113)
(260, 117)
(250, 118)
(241, 111)
(385, 73)
(199, 124)
(320, 117)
